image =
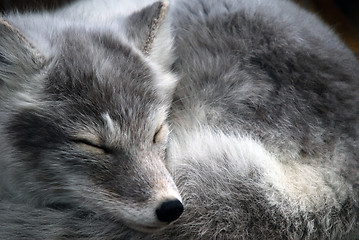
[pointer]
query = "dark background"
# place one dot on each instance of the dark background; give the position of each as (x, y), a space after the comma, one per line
(27, 5)
(342, 15)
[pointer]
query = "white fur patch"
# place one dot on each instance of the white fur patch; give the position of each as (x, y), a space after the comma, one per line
(109, 122)
(93, 12)
(303, 185)
(165, 81)
(25, 100)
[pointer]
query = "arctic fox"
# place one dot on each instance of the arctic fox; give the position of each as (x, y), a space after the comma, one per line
(83, 118)
(260, 99)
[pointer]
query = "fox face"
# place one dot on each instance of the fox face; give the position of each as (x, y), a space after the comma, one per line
(86, 123)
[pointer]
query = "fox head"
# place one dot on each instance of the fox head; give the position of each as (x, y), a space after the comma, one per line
(84, 123)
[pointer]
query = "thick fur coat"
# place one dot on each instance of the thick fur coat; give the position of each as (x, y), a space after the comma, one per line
(260, 98)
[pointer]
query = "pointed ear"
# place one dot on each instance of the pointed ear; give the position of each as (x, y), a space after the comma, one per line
(19, 60)
(150, 30)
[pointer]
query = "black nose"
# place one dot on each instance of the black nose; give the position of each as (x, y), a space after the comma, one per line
(169, 211)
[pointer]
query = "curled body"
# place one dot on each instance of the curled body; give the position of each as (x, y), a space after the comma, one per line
(261, 108)
(265, 123)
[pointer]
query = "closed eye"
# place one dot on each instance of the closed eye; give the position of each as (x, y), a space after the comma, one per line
(161, 134)
(91, 146)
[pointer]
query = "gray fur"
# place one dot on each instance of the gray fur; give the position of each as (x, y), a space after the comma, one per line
(264, 123)
(86, 124)
(274, 72)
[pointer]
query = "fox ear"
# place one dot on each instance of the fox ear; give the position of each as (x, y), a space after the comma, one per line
(151, 32)
(19, 60)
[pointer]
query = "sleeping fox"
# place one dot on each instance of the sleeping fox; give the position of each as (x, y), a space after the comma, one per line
(205, 119)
